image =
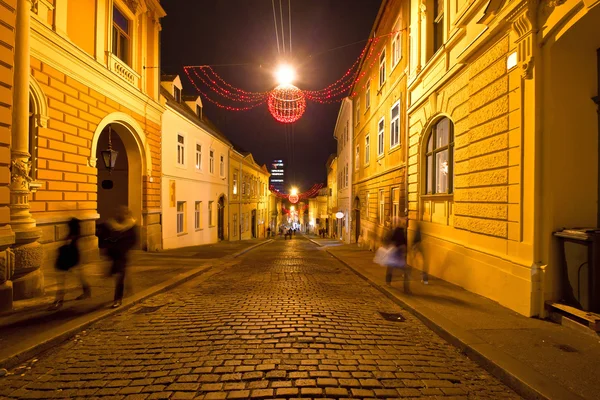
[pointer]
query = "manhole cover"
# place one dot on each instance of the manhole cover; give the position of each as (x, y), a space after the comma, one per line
(147, 310)
(566, 348)
(394, 317)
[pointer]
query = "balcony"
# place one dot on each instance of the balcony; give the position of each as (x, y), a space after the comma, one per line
(123, 70)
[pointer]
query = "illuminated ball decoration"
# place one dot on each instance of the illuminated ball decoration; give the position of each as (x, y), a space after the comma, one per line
(286, 103)
(293, 198)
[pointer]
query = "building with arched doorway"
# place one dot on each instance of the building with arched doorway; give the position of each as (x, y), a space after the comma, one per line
(503, 134)
(194, 174)
(249, 200)
(86, 80)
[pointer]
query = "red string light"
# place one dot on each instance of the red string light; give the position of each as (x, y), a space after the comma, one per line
(286, 103)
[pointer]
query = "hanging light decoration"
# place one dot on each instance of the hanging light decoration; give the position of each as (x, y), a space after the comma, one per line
(293, 198)
(286, 103)
(109, 156)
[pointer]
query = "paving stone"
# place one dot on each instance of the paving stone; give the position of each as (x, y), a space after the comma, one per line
(286, 322)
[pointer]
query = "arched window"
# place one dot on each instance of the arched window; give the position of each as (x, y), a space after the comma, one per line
(439, 157)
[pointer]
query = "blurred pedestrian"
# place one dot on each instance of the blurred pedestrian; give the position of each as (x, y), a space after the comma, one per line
(419, 255)
(122, 236)
(392, 255)
(68, 258)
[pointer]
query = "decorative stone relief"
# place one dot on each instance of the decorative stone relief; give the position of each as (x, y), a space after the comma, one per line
(524, 23)
(133, 5)
(19, 171)
(34, 6)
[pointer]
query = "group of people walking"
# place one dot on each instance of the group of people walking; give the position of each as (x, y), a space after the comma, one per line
(393, 255)
(116, 237)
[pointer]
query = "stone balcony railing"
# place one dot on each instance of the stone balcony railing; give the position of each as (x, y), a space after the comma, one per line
(123, 70)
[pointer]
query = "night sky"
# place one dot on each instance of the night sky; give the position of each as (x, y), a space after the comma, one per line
(218, 32)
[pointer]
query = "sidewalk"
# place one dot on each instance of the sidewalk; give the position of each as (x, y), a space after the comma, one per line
(30, 327)
(537, 358)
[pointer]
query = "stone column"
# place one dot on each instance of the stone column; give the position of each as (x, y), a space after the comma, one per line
(27, 277)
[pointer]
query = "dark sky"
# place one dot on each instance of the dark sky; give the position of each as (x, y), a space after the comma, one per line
(214, 32)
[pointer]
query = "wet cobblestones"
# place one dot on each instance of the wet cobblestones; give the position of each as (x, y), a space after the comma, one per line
(287, 322)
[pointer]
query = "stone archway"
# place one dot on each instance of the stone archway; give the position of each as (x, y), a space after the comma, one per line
(132, 167)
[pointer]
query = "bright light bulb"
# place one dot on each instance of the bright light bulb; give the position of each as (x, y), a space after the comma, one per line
(285, 75)
(294, 191)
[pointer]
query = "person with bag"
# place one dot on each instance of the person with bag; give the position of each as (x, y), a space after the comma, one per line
(392, 255)
(67, 259)
(120, 236)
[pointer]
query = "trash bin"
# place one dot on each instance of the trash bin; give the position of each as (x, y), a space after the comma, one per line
(580, 281)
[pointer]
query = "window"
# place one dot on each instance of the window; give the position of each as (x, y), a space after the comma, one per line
(438, 158)
(199, 111)
(198, 156)
(367, 149)
(197, 208)
(121, 45)
(395, 125)
(380, 135)
(346, 177)
(235, 225)
(244, 186)
(368, 96)
(181, 217)
(396, 205)
(357, 111)
(357, 158)
(211, 165)
(210, 213)
(396, 49)
(382, 68)
(380, 214)
(235, 183)
(177, 94)
(180, 150)
(438, 24)
(222, 165)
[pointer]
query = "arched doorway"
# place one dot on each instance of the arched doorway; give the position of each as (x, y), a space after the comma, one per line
(356, 218)
(221, 218)
(122, 185)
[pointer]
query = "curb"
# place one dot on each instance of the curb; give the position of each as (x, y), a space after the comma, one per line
(317, 243)
(517, 375)
(241, 252)
(75, 326)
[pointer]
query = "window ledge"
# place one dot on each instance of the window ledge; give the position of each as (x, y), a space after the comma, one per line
(438, 196)
(394, 149)
(199, 229)
(123, 70)
(182, 234)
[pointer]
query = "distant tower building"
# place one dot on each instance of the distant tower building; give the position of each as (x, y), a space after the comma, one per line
(277, 179)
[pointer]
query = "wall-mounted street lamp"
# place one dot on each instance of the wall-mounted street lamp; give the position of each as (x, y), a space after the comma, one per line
(109, 156)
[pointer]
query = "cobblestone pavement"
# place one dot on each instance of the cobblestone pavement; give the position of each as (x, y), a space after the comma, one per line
(288, 321)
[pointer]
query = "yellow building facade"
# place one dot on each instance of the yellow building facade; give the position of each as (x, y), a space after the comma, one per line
(502, 137)
(85, 71)
(249, 197)
(332, 191)
(379, 102)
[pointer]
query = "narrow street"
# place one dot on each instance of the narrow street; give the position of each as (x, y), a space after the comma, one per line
(287, 321)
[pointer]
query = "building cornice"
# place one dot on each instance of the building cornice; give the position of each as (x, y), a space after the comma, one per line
(64, 56)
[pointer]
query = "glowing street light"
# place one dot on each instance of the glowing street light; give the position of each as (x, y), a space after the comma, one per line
(294, 191)
(285, 75)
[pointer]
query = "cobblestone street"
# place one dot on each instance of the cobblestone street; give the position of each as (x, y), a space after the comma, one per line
(287, 321)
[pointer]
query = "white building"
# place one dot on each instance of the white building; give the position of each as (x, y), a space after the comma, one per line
(343, 135)
(195, 157)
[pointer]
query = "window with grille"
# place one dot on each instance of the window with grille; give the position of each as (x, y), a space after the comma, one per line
(396, 49)
(198, 156)
(197, 221)
(121, 45)
(180, 150)
(380, 136)
(367, 149)
(395, 204)
(211, 165)
(381, 213)
(439, 155)
(438, 24)
(395, 125)
(382, 68)
(181, 217)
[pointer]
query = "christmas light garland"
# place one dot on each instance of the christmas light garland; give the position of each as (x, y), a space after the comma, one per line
(286, 103)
